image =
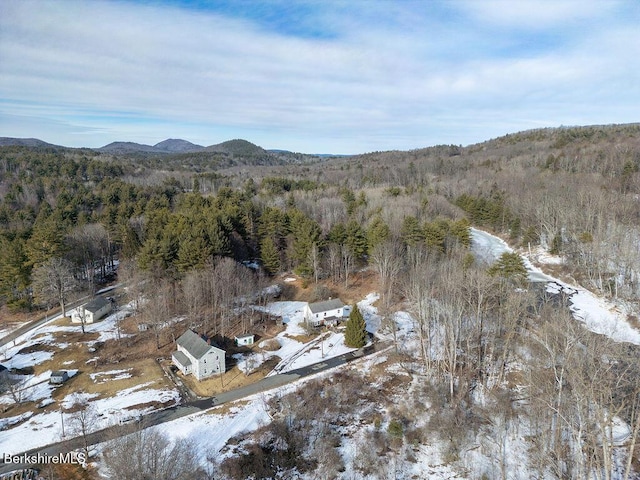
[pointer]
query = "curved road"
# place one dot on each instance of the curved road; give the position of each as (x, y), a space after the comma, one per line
(38, 322)
(187, 408)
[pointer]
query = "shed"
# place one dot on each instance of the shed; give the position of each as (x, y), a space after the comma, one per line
(58, 377)
(246, 339)
(92, 311)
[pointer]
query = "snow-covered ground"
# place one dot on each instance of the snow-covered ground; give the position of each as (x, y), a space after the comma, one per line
(41, 428)
(294, 354)
(10, 328)
(251, 413)
(597, 314)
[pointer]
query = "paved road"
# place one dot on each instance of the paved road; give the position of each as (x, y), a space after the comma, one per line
(41, 320)
(188, 408)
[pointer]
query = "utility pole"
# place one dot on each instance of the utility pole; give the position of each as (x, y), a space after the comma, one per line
(62, 420)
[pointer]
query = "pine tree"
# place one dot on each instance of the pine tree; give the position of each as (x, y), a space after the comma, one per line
(355, 335)
(411, 232)
(434, 235)
(509, 266)
(270, 256)
(377, 232)
(556, 244)
(356, 239)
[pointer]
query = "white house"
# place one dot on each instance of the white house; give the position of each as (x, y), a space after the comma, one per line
(329, 312)
(196, 356)
(92, 311)
(246, 339)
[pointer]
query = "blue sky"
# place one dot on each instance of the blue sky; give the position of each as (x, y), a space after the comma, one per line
(314, 76)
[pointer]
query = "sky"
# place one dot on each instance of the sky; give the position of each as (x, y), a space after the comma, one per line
(320, 76)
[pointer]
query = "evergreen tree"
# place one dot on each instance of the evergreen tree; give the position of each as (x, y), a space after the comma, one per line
(47, 238)
(305, 232)
(435, 234)
(355, 335)
(14, 273)
(356, 239)
(194, 250)
(130, 241)
(556, 244)
(349, 199)
(461, 229)
(377, 232)
(411, 232)
(509, 266)
(218, 237)
(270, 256)
(337, 234)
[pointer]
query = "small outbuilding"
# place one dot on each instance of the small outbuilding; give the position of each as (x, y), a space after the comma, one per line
(92, 311)
(246, 339)
(58, 377)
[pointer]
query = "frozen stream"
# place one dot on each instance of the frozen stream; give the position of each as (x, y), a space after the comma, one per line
(596, 313)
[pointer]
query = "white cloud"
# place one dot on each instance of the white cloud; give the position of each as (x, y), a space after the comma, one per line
(120, 71)
(537, 14)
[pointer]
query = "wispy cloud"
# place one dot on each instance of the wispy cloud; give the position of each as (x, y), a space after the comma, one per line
(316, 76)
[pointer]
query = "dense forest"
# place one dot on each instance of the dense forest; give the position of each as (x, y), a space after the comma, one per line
(68, 217)
(91, 208)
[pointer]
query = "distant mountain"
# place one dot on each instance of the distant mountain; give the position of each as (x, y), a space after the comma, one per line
(120, 148)
(170, 145)
(24, 142)
(238, 147)
(176, 145)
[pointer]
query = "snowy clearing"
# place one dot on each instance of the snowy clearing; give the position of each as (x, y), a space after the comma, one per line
(294, 354)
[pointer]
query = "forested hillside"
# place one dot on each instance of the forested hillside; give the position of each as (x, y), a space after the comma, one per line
(493, 357)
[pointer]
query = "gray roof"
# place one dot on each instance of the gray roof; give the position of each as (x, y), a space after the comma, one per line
(193, 343)
(96, 304)
(59, 373)
(326, 305)
(246, 335)
(182, 358)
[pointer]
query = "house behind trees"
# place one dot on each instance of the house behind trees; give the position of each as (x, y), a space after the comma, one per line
(92, 311)
(197, 356)
(329, 313)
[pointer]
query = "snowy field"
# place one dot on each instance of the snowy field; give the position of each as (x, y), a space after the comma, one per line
(39, 428)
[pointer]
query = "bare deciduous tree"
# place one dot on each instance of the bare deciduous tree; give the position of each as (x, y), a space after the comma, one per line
(53, 281)
(81, 420)
(148, 454)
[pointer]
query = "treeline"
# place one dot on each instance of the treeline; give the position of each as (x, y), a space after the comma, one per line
(61, 205)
